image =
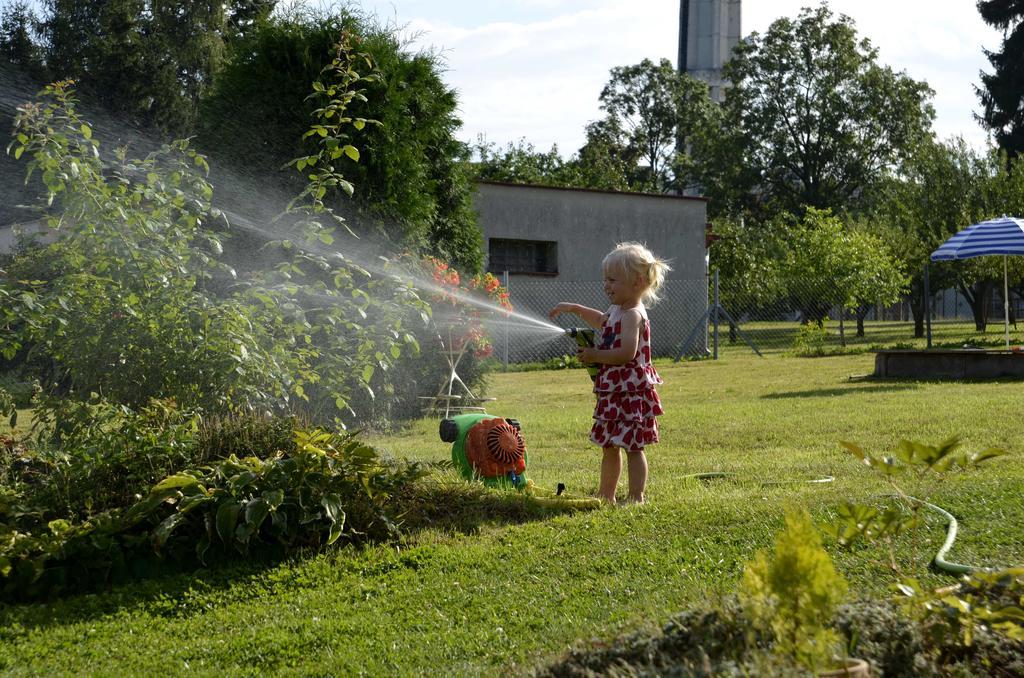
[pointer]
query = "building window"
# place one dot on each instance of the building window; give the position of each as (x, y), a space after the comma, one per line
(523, 256)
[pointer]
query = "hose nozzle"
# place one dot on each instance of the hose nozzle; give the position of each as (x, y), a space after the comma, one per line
(584, 337)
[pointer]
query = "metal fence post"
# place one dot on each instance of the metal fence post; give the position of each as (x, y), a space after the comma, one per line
(505, 276)
(716, 307)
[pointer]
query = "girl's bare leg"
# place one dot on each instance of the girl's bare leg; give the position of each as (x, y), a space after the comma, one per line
(637, 466)
(611, 469)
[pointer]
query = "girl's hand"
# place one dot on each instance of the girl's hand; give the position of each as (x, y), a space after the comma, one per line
(559, 309)
(586, 355)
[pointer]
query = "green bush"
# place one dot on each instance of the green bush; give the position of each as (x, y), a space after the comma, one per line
(128, 302)
(792, 594)
(811, 340)
(97, 455)
(20, 391)
(412, 182)
(329, 487)
(8, 408)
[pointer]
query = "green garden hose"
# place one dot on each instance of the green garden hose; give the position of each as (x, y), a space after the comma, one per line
(939, 560)
(728, 474)
(940, 557)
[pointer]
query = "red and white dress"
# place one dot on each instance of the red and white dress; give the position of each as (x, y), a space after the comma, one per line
(627, 399)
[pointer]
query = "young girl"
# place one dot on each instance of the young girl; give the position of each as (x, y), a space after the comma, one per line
(627, 400)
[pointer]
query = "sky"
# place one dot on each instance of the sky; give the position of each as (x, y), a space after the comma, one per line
(533, 69)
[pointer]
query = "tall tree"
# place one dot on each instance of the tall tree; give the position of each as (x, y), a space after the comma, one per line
(829, 264)
(812, 118)
(244, 15)
(1002, 91)
(655, 109)
(944, 188)
(19, 41)
(150, 61)
(411, 182)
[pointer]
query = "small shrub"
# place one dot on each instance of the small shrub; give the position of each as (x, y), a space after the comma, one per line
(247, 434)
(20, 391)
(793, 594)
(8, 408)
(913, 467)
(563, 362)
(330, 485)
(98, 455)
(811, 340)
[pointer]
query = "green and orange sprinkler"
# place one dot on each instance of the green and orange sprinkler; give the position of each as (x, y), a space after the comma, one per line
(487, 448)
(491, 450)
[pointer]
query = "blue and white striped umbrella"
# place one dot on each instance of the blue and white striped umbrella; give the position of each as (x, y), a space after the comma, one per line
(1004, 236)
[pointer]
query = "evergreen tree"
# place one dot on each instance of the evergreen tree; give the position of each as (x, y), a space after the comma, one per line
(244, 15)
(19, 45)
(150, 61)
(1002, 94)
(411, 184)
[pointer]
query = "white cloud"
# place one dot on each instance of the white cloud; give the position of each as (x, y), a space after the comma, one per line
(534, 68)
(541, 79)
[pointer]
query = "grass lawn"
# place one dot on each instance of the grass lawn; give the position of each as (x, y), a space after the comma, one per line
(780, 337)
(510, 596)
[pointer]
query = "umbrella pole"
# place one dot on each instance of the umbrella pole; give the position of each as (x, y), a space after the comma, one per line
(1006, 302)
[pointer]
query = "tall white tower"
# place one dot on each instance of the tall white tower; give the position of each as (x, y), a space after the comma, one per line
(708, 30)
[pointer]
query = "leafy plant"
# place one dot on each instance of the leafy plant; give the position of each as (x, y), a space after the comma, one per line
(793, 593)
(327, 488)
(810, 339)
(985, 599)
(869, 523)
(131, 300)
(101, 455)
(337, 88)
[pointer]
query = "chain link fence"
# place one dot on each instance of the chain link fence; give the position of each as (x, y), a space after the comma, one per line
(686, 323)
(800, 323)
(681, 312)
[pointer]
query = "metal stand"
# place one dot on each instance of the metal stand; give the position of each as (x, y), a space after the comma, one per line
(713, 315)
(927, 307)
(445, 394)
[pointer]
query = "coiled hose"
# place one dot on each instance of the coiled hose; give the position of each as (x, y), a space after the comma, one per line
(939, 560)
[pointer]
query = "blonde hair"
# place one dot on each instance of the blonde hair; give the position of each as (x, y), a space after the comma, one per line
(636, 260)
